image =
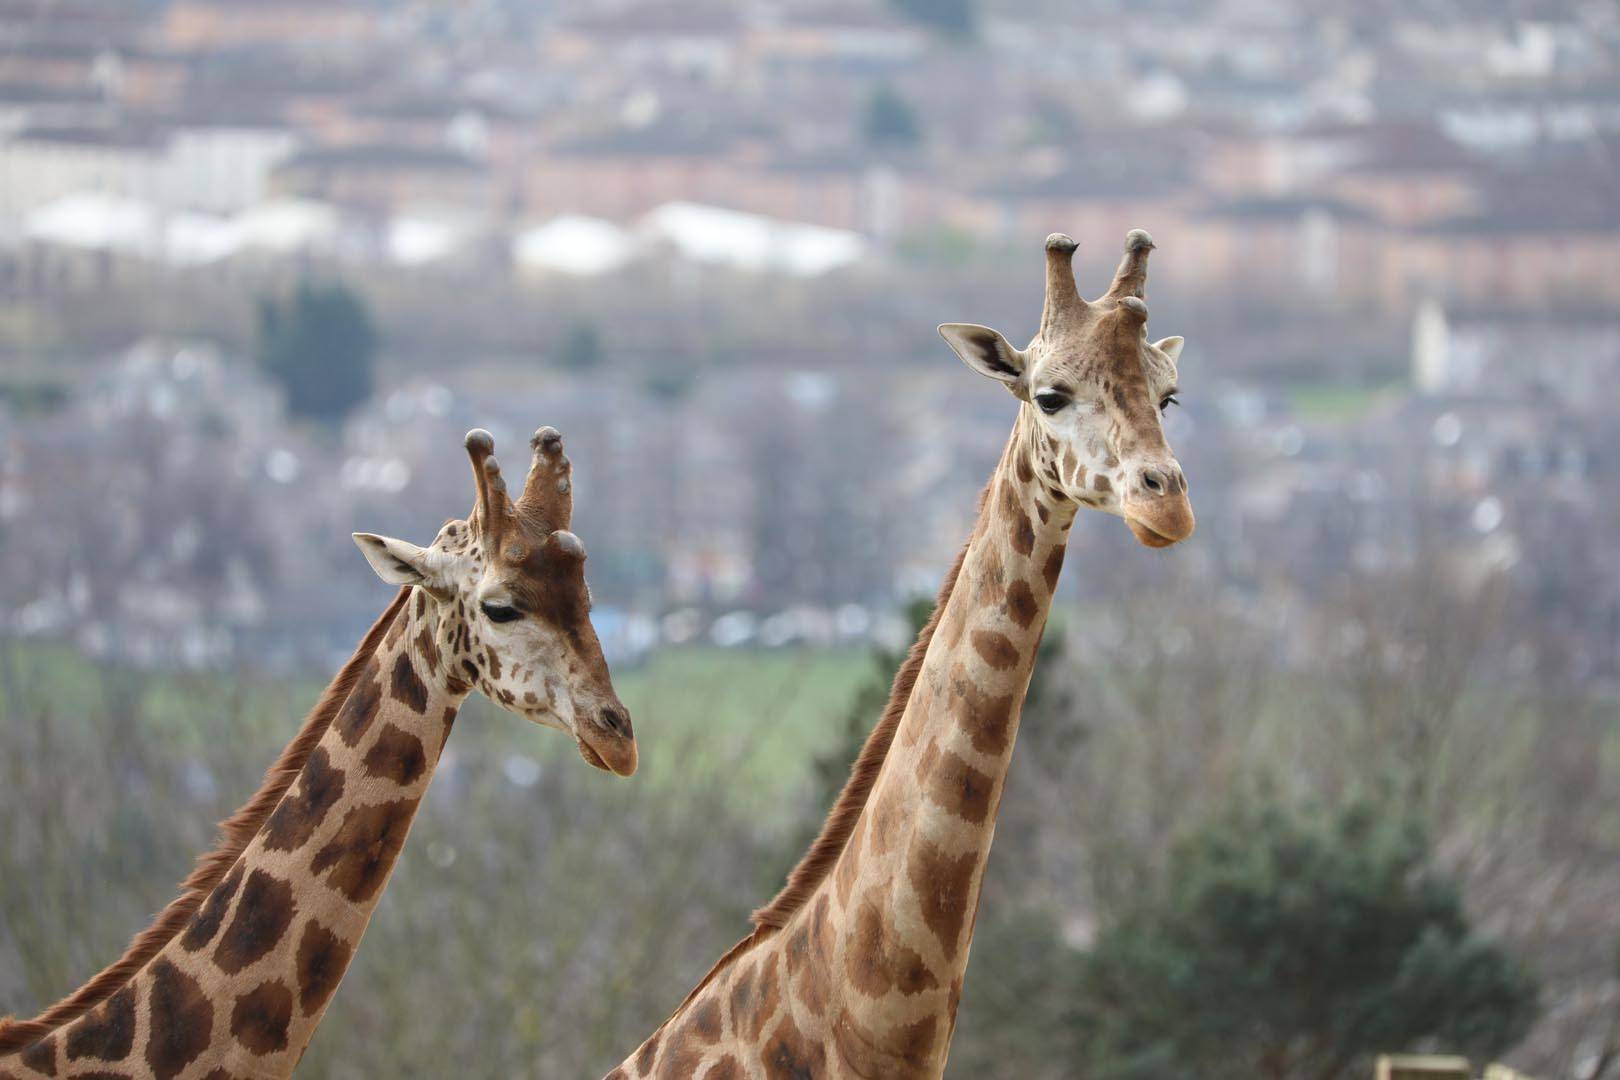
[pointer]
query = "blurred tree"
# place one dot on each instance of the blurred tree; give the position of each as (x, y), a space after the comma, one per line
(1280, 945)
(581, 347)
(889, 119)
(1017, 1016)
(953, 17)
(668, 386)
(319, 344)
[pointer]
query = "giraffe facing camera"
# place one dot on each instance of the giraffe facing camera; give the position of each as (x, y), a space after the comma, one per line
(1098, 389)
(856, 967)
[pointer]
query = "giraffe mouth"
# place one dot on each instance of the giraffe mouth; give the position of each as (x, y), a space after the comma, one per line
(1160, 522)
(591, 756)
(1147, 536)
(616, 756)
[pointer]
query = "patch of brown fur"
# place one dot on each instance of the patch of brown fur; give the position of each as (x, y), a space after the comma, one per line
(235, 833)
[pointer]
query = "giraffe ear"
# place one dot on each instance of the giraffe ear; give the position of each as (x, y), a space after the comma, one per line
(1171, 347)
(398, 562)
(985, 351)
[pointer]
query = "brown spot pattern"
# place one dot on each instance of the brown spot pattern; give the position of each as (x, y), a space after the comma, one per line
(876, 963)
(995, 649)
(205, 923)
(680, 1062)
(888, 819)
(406, 686)
(397, 755)
(108, 1032)
(985, 717)
(944, 887)
(323, 957)
(814, 987)
(41, 1057)
(397, 627)
(1021, 606)
(790, 1056)
(365, 848)
(360, 707)
(727, 1068)
(957, 786)
(705, 1023)
(1053, 567)
(1023, 532)
(259, 1020)
(299, 814)
(903, 1053)
(758, 1007)
(262, 917)
(428, 650)
(649, 1054)
(847, 867)
(181, 1020)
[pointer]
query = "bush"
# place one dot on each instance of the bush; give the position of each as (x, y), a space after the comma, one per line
(1280, 945)
(318, 344)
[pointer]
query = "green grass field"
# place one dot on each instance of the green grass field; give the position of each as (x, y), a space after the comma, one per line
(763, 714)
(1339, 402)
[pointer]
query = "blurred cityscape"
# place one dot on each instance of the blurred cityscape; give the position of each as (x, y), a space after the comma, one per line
(710, 242)
(1391, 235)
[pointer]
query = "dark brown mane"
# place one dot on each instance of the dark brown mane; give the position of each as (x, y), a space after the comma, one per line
(829, 843)
(235, 833)
(846, 811)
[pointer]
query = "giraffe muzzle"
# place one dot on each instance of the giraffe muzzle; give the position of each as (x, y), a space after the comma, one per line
(607, 740)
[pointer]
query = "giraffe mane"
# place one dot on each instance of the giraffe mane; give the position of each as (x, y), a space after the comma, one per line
(830, 842)
(835, 832)
(235, 833)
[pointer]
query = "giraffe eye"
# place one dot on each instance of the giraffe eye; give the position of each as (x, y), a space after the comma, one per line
(500, 612)
(1051, 401)
(1169, 400)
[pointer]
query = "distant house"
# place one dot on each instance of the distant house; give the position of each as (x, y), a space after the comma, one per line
(220, 168)
(39, 165)
(387, 179)
(1283, 247)
(213, 24)
(24, 106)
(749, 242)
(833, 38)
(1096, 193)
(1550, 240)
(623, 175)
(690, 39)
(1408, 175)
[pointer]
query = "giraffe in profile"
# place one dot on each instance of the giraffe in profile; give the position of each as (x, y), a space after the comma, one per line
(855, 968)
(233, 977)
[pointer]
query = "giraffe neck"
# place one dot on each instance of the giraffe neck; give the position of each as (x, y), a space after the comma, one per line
(241, 989)
(863, 978)
(902, 899)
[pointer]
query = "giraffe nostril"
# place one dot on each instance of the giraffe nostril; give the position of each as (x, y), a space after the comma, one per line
(1154, 481)
(616, 721)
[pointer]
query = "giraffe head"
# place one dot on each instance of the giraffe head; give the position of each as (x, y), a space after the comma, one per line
(513, 611)
(1094, 390)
